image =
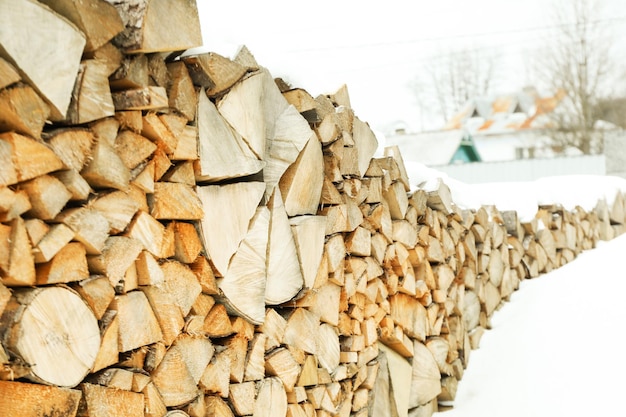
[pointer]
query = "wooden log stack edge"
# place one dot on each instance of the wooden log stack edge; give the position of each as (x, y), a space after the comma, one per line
(184, 235)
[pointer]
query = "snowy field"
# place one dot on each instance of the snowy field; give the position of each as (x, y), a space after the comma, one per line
(556, 348)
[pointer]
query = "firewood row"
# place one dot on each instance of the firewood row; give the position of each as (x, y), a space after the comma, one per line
(181, 234)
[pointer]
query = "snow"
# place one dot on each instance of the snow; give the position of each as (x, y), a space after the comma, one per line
(569, 191)
(554, 348)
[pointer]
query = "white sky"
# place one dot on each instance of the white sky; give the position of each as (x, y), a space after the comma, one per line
(376, 48)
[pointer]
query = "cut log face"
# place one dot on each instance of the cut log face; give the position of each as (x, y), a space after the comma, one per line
(98, 20)
(92, 98)
(291, 134)
(138, 324)
(309, 234)
(53, 77)
(271, 399)
(284, 276)
(24, 159)
(425, 384)
(366, 143)
(227, 213)
(214, 72)
(301, 184)
(244, 283)
(252, 107)
(8, 74)
(22, 111)
(34, 319)
(223, 152)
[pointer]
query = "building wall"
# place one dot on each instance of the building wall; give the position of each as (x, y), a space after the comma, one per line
(615, 151)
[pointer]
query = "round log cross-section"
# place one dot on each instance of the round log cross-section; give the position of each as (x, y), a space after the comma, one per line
(53, 331)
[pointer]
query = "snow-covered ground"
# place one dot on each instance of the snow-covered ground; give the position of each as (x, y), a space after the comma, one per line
(556, 348)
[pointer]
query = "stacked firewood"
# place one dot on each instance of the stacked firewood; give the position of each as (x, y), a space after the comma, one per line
(183, 235)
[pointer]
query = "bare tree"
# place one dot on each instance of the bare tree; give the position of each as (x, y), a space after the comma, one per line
(451, 79)
(578, 65)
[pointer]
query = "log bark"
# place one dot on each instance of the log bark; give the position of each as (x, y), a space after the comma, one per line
(33, 400)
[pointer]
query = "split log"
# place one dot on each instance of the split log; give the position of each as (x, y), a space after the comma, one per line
(17, 267)
(255, 360)
(241, 396)
(281, 363)
(223, 152)
(271, 399)
(97, 293)
(34, 400)
(132, 73)
(22, 111)
(118, 255)
(181, 91)
(147, 98)
(284, 277)
(69, 264)
(175, 201)
(167, 312)
(24, 158)
(98, 20)
(181, 369)
(257, 124)
(308, 232)
(302, 331)
(90, 227)
(214, 72)
(301, 184)
(144, 22)
(138, 325)
(217, 407)
(8, 74)
(227, 213)
(53, 77)
(244, 283)
(28, 332)
(91, 99)
(100, 401)
(106, 169)
(365, 142)
(291, 134)
(425, 385)
(72, 146)
(154, 129)
(117, 207)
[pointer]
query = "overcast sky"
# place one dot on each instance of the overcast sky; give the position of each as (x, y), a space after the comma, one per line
(377, 48)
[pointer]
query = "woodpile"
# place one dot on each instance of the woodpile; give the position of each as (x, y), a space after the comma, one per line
(184, 235)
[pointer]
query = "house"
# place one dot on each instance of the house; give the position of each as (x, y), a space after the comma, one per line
(489, 129)
(437, 148)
